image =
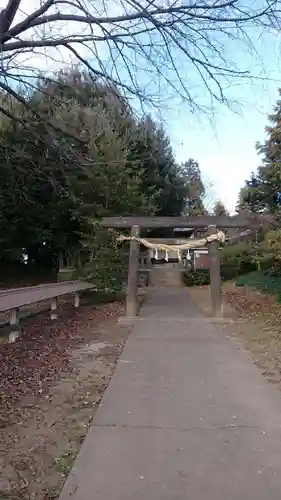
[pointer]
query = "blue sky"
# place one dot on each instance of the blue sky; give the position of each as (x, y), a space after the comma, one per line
(225, 149)
(225, 146)
(226, 152)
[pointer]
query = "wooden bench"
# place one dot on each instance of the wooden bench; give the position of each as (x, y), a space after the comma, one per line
(12, 299)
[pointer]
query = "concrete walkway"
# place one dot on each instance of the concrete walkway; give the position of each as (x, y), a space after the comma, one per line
(185, 417)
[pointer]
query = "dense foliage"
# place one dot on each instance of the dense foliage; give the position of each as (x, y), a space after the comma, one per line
(199, 277)
(262, 281)
(237, 259)
(55, 186)
(262, 194)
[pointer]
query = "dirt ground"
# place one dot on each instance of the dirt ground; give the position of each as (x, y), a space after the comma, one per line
(51, 381)
(253, 319)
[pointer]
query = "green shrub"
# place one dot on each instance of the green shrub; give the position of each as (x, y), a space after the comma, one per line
(96, 298)
(108, 266)
(196, 278)
(66, 275)
(273, 270)
(236, 260)
(265, 282)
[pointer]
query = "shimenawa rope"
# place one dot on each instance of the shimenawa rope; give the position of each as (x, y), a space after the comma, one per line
(192, 243)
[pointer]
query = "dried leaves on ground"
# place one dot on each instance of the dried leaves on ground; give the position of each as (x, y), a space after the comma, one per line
(51, 381)
(261, 333)
(252, 304)
(43, 352)
(260, 330)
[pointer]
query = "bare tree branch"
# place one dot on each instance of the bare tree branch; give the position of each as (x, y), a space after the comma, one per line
(7, 16)
(26, 23)
(128, 43)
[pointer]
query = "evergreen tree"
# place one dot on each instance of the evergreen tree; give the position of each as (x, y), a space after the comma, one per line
(54, 188)
(219, 209)
(262, 192)
(194, 204)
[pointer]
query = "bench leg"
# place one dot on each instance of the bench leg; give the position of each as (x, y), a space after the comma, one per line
(76, 299)
(15, 331)
(54, 307)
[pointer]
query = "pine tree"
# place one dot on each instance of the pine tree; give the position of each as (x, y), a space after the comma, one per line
(195, 188)
(262, 192)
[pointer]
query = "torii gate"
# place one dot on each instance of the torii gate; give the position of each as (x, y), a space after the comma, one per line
(210, 223)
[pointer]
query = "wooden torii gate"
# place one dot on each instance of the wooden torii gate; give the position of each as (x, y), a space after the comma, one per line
(210, 223)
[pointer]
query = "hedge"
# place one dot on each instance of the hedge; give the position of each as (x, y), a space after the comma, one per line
(236, 260)
(196, 278)
(201, 277)
(263, 281)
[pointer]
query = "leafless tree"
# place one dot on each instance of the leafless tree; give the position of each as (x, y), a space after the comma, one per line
(136, 45)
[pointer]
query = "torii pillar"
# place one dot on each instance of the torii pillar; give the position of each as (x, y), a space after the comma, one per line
(215, 276)
(132, 304)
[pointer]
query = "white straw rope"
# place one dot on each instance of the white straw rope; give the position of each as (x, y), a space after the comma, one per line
(219, 236)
